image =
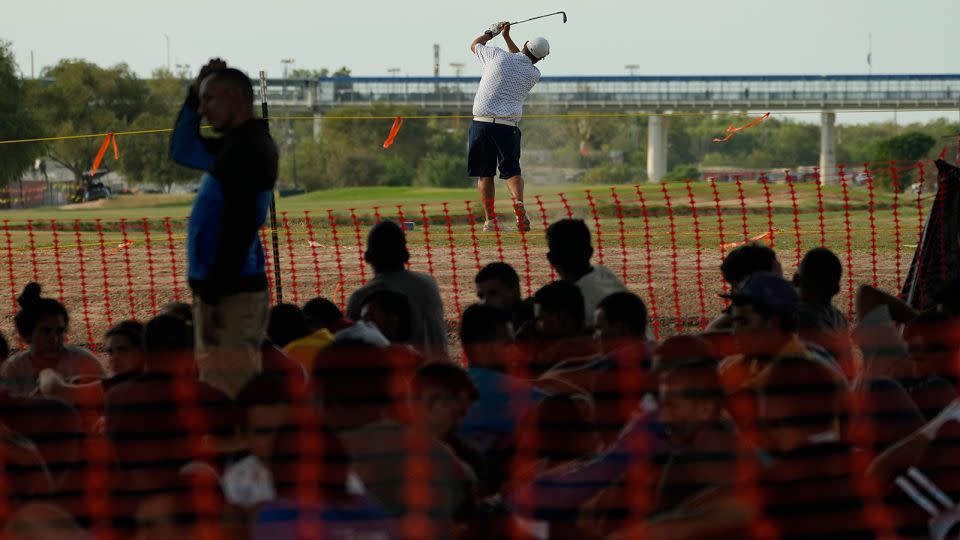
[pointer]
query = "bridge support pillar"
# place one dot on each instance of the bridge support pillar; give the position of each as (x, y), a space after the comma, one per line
(828, 148)
(317, 126)
(657, 149)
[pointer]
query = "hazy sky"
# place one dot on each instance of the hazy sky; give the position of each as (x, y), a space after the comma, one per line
(697, 37)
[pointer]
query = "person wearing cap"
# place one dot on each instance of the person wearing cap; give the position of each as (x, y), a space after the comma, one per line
(494, 139)
(764, 318)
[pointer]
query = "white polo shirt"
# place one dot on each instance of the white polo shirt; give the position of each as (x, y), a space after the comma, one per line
(507, 79)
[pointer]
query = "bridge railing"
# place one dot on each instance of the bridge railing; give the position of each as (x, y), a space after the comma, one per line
(744, 92)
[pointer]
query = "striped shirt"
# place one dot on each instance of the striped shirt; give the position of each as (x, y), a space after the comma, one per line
(507, 79)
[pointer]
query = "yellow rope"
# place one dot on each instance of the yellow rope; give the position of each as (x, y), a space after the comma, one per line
(574, 116)
(361, 117)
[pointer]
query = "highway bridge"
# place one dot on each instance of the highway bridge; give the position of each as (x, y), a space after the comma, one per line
(827, 94)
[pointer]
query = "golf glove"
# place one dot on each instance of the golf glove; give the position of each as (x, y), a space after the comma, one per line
(494, 30)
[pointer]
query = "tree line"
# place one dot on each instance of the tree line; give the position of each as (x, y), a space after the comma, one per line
(79, 97)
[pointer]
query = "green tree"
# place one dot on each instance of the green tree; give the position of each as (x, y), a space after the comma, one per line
(682, 173)
(16, 121)
(166, 94)
(84, 98)
(301, 73)
(146, 158)
(442, 170)
(350, 151)
(906, 148)
(613, 173)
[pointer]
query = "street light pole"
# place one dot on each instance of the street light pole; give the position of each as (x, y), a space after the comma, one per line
(286, 64)
(167, 38)
(393, 87)
(635, 128)
(458, 69)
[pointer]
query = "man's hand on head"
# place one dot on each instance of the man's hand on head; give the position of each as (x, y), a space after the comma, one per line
(215, 64)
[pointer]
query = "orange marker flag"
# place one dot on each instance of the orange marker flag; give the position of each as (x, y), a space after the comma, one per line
(756, 238)
(397, 124)
(731, 131)
(110, 139)
(120, 247)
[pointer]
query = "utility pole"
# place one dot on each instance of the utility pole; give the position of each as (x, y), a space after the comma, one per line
(393, 86)
(632, 71)
(166, 37)
(458, 69)
(286, 64)
(436, 67)
(635, 125)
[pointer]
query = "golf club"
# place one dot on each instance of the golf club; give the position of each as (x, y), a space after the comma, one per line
(564, 13)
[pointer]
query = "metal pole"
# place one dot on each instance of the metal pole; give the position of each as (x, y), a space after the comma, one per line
(274, 235)
(167, 38)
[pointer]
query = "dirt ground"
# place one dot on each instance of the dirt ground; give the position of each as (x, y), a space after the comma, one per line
(102, 287)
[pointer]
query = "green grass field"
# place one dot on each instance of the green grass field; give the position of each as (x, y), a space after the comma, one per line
(178, 206)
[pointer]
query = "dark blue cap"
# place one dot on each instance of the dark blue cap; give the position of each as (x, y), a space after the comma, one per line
(767, 289)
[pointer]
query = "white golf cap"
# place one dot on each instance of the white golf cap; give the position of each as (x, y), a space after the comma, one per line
(539, 47)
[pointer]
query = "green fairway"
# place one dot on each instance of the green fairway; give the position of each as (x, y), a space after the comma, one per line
(364, 199)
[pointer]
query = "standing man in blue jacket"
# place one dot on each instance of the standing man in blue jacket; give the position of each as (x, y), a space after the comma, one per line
(224, 253)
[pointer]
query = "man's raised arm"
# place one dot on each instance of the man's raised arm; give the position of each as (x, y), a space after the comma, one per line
(485, 38)
(511, 46)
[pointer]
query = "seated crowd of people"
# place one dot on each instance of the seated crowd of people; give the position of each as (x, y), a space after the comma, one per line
(554, 416)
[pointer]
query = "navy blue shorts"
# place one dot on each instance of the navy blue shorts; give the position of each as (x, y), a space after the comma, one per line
(493, 146)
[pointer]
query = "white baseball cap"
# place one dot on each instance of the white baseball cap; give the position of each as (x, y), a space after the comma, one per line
(539, 47)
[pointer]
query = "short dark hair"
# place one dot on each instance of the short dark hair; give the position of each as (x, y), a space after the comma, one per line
(443, 375)
(235, 78)
(569, 244)
(285, 324)
(499, 271)
(681, 350)
(627, 309)
(34, 307)
(167, 333)
(479, 323)
(269, 389)
(180, 309)
(561, 297)
(789, 322)
(396, 304)
(131, 330)
(386, 247)
(321, 313)
(748, 259)
(702, 380)
(820, 271)
(352, 373)
(690, 359)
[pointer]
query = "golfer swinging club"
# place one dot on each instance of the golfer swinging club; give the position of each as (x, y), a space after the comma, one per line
(494, 136)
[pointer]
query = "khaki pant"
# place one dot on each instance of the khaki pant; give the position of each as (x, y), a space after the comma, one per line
(228, 338)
